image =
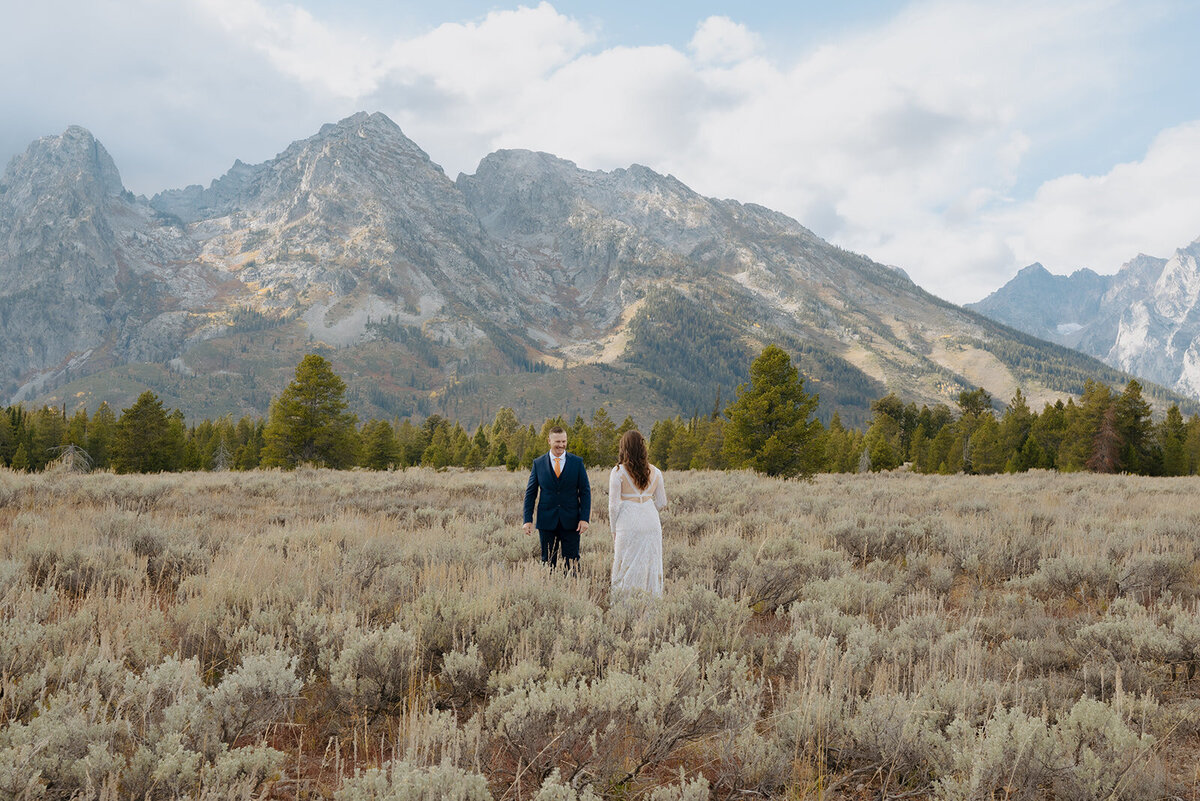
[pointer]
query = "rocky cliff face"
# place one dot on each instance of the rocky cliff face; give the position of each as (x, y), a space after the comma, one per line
(88, 274)
(531, 283)
(357, 211)
(1143, 320)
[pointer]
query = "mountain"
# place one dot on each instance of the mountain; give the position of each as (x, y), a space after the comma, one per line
(1144, 320)
(88, 275)
(531, 283)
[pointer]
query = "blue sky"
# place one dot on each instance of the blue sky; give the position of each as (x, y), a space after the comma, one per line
(957, 139)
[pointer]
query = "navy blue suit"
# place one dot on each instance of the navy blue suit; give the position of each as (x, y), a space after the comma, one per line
(561, 501)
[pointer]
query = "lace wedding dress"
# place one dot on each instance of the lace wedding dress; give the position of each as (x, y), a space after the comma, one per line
(637, 531)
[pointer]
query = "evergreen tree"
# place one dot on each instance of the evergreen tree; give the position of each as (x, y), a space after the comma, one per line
(975, 405)
(77, 428)
(1139, 450)
(21, 458)
(143, 441)
(683, 447)
(659, 447)
(579, 441)
(604, 439)
(8, 442)
(412, 442)
(439, 453)
(1047, 431)
(101, 433)
(1082, 428)
(505, 436)
(1107, 444)
(308, 421)
(770, 427)
(918, 451)
(1172, 434)
(250, 435)
(987, 452)
(48, 431)
(380, 449)
(1191, 445)
(1014, 430)
(883, 438)
(176, 439)
(710, 445)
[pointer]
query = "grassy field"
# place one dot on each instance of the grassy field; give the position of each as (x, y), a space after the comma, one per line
(389, 636)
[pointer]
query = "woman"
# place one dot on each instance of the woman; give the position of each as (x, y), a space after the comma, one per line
(635, 496)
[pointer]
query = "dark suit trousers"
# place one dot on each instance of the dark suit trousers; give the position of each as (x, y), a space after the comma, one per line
(558, 540)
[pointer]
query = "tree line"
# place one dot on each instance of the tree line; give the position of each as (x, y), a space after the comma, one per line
(770, 426)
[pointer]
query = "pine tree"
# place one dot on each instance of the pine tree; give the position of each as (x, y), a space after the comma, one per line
(438, 453)
(1139, 451)
(709, 453)
(1172, 434)
(48, 433)
(770, 427)
(1014, 430)
(308, 422)
(659, 447)
(604, 439)
(380, 449)
(142, 441)
(77, 428)
(1106, 444)
(20, 459)
(1082, 426)
(683, 448)
(8, 441)
(101, 433)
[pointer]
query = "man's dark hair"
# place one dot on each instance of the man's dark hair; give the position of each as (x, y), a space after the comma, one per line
(558, 430)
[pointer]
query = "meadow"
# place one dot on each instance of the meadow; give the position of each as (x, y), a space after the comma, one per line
(389, 635)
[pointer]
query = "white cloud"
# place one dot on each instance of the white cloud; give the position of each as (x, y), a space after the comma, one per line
(906, 141)
(721, 40)
(343, 63)
(1102, 221)
(507, 50)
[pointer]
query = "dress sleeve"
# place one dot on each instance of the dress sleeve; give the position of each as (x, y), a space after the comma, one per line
(614, 496)
(660, 491)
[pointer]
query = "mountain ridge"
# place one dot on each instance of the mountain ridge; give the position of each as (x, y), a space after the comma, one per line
(1144, 319)
(530, 283)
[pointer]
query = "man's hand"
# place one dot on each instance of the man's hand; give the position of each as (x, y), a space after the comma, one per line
(528, 528)
(583, 526)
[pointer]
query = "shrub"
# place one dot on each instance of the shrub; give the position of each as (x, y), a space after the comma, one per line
(259, 692)
(378, 669)
(1013, 755)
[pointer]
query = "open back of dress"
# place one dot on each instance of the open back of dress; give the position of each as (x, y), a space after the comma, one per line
(637, 531)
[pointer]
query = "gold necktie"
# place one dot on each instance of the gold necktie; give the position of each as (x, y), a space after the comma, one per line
(557, 468)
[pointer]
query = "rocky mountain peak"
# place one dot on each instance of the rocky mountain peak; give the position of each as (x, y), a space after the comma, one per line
(356, 156)
(1035, 270)
(73, 163)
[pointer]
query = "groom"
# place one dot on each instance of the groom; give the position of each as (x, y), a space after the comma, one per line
(565, 503)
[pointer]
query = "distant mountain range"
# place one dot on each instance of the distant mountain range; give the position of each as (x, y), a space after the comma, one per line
(1143, 320)
(532, 284)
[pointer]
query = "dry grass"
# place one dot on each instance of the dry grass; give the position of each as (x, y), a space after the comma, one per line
(278, 634)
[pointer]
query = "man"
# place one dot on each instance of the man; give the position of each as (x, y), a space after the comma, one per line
(565, 501)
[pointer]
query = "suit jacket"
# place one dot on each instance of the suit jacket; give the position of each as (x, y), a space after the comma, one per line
(562, 501)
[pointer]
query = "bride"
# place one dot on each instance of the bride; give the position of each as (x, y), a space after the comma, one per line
(635, 496)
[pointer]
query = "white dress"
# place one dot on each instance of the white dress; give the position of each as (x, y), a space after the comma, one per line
(637, 531)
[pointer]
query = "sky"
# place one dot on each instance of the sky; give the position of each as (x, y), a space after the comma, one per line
(957, 140)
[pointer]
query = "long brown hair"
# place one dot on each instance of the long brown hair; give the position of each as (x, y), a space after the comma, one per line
(632, 454)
